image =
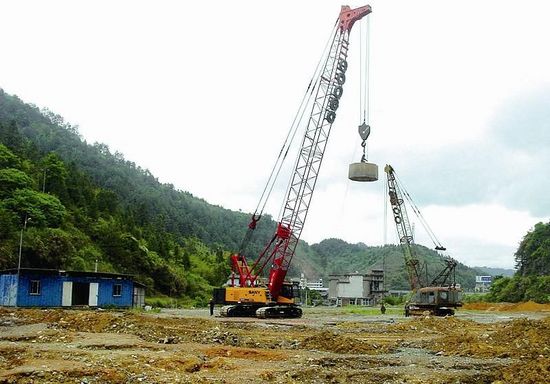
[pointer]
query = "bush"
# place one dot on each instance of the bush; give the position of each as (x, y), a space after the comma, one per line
(475, 297)
(395, 300)
(520, 288)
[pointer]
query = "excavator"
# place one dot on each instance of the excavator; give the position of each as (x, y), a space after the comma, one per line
(248, 293)
(440, 296)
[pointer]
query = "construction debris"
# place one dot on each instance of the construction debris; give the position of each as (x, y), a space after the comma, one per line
(73, 346)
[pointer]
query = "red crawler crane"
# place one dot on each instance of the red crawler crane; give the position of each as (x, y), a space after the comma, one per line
(249, 297)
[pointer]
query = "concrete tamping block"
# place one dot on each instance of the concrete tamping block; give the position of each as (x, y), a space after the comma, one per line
(363, 172)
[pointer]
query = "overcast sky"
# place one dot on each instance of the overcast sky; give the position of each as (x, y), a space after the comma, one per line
(203, 93)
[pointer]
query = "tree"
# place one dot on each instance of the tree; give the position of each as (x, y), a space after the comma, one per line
(54, 175)
(10, 135)
(12, 179)
(8, 223)
(48, 248)
(7, 158)
(533, 254)
(520, 288)
(107, 201)
(44, 209)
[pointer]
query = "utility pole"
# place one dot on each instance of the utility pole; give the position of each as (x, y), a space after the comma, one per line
(44, 181)
(27, 219)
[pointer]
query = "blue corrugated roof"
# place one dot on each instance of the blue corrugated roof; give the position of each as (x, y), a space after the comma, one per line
(60, 272)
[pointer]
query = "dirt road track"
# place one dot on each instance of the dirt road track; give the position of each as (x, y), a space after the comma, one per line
(325, 346)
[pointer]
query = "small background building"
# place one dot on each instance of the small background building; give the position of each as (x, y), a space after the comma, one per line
(357, 288)
(56, 288)
(483, 283)
(316, 286)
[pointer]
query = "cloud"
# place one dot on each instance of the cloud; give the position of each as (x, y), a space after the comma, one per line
(505, 165)
(522, 123)
(476, 253)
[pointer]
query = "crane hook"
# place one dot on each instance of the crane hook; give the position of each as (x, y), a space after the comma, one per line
(364, 131)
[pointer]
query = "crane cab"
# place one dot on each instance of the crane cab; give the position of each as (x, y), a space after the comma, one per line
(290, 293)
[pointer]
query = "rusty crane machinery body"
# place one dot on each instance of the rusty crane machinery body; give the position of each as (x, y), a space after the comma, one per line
(439, 296)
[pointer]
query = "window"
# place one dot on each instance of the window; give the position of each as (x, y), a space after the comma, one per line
(35, 287)
(117, 290)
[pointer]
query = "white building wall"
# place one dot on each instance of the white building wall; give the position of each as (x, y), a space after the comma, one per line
(352, 289)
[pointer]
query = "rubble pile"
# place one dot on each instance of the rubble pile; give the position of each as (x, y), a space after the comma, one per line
(516, 338)
(528, 306)
(524, 338)
(528, 371)
(246, 353)
(95, 346)
(331, 341)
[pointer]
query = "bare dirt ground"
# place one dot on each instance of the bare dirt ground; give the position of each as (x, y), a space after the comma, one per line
(483, 344)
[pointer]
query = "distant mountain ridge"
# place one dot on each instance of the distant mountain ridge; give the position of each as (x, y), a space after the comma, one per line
(490, 271)
(335, 256)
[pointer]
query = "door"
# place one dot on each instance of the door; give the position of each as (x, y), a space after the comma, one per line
(81, 293)
(67, 297)
(139, 297)
(94, 290)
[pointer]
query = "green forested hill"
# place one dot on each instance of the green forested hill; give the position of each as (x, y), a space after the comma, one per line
(337, 256)
(137, 190)
(88, 204)
(532, 279)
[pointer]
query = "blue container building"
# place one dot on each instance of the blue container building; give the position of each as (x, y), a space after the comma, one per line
(29, 287)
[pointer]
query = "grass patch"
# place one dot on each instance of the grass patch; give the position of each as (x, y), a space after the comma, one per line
(173, 302)
(373, 311)
(358, 310)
